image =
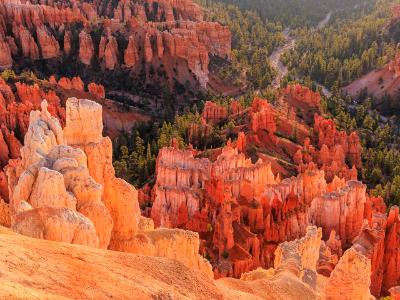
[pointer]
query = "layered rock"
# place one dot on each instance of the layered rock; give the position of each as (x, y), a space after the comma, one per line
(336, 149)
(29, 47)
(391, 275)
(75, 83)
(4, 214)
(108, 52)
(341, 211)
(351, 277)
(213, 113)
(14, 115)
(86, 49)
(262, 117)
(371, 243)
(49, 46)
(131, 53)
(55, 188)
(247, 209)
(302, 253)
(180, 245)
(5, 55)
(119, 197)
(303, 95)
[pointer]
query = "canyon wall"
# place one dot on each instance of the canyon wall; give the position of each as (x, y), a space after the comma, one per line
(172, 34)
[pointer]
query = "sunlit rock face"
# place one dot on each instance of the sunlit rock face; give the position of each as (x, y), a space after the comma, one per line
(64, 189)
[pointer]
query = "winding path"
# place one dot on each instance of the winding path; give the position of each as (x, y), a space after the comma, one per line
(275, 57)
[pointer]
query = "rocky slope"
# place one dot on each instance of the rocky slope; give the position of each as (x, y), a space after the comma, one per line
(47, 266)
(378, 83)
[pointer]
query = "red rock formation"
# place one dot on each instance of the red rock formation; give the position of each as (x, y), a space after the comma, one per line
(131, 54)
(96, 90)
(302, 95)
(341, 211)
(86, 49)
(245, 199)
(370, 242)
(262, 117)
(172, 34)
(391, 276)
(336, 148)
(89, 11)
(14, 116)
(241, 142)
(28, 44)
(67, 42)
(350, 279)
(214, 113)
(235, 107)
(77, 84)
(108, 52)
(395, 293)
(32, 15)
(49, 46)
(198, 132)
(65, 83)
(5, 54)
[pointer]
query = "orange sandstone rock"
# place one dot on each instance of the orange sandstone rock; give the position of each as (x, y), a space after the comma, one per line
(49, 46)
(55, 176)
(5, 55)
(86, 49)
(97, 90)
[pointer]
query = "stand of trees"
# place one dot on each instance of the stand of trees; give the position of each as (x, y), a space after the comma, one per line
(299, 13)
(380, 140)
(343, 51)
(253, 40)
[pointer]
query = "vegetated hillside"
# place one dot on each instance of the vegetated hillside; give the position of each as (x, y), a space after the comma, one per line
(298, 13)
(344, 50)
(253, 41)
(382, 83)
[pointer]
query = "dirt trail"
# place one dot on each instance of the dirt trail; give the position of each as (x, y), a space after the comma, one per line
(275, 57)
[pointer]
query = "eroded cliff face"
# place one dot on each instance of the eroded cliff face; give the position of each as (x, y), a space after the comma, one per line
(53, 185)
(244, 211)
(169, 33)
(334, 149)
(64, 189)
